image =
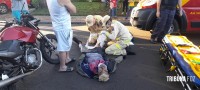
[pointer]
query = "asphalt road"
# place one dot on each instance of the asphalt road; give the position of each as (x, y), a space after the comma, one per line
(142, 71)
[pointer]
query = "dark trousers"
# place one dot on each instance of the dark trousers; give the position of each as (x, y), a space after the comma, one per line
(125, 6)
(163, 24)
(129, 11)
(113, 12)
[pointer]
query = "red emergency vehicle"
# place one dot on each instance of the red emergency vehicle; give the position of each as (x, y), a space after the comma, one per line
(5, 5)
(143, 16)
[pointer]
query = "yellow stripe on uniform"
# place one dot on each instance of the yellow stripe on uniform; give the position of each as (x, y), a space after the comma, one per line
(118, 46)
(107, 34)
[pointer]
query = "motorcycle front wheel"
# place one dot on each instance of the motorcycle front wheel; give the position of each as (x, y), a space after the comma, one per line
(48, 51)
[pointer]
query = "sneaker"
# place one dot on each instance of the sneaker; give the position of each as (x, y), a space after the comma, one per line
(129, 51)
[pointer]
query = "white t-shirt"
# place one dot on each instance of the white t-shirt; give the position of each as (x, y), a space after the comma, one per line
(61, 19)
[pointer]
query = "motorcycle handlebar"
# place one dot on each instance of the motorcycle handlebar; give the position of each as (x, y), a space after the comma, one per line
(7, 25)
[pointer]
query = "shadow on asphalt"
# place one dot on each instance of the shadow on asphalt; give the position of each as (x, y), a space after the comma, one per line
(142, 71)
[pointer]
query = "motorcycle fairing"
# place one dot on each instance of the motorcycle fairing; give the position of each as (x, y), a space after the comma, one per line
(22, 33)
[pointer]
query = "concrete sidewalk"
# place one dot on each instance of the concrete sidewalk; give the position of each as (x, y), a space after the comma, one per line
(47, 20)
(77, 19)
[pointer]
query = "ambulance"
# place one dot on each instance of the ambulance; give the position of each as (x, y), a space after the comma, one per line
(143, 16)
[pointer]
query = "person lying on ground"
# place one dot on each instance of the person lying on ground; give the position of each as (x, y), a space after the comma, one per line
(99, 66)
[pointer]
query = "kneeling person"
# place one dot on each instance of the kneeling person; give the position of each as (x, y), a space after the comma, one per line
(94, 25)
(118, 33)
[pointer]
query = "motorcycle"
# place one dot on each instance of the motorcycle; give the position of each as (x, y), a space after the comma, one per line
(22, 47)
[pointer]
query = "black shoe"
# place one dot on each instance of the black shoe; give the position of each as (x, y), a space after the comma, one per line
(153, 41)
(159, 40)
(130, 53)
(124, 57)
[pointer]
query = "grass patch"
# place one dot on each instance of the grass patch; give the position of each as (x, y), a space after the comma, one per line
(41, 11)
(83, 9)
(86, 8)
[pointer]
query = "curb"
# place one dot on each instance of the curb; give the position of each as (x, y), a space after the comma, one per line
(83, 23)
(71, 23)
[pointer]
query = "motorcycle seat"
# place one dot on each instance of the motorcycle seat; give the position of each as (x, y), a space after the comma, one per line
(4, 45)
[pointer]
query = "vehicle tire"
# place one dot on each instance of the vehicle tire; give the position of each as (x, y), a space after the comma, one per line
(174, 29)
(48, 52)
(3, 9)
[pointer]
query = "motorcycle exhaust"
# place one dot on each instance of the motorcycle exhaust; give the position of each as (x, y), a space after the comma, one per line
(9, 81)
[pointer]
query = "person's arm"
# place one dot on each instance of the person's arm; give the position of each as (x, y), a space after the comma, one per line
(111, 4)
(113, 34)
(180, 7)
(158, 8)
(68, 4)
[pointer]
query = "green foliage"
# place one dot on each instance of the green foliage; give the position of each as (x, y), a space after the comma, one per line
(35, 3)
(41, 11)
(85, 8)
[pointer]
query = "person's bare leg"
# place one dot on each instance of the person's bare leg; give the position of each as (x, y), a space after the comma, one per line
(62, 56)
(67, 57)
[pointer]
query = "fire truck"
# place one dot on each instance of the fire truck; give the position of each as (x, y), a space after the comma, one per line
(143, 16)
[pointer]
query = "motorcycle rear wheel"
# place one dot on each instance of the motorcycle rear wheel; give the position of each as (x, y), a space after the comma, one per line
(48, 52)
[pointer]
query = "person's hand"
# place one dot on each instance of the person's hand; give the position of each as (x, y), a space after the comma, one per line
(180, 12)
(158, 14)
